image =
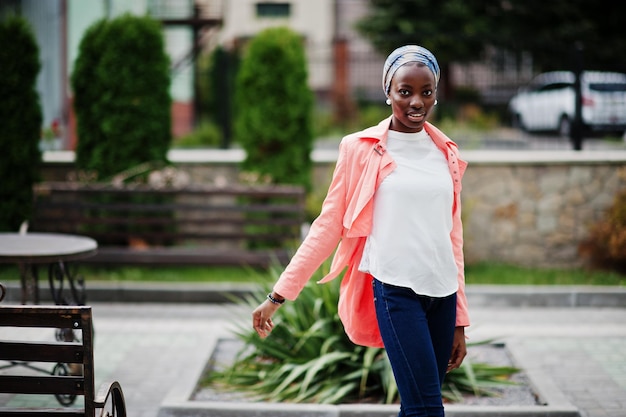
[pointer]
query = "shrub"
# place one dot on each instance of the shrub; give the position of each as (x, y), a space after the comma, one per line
(21, 117)
(121, 95)
(207, 134)
(274, 108)
(309, 358)
(606, 246)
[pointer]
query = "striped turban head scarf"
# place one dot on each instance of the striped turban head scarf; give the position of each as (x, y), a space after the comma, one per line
(404, 55)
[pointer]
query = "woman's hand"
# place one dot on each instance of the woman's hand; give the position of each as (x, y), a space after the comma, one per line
(262, 318)
(459, 350)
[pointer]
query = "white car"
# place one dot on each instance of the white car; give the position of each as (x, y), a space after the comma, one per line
(548, 103)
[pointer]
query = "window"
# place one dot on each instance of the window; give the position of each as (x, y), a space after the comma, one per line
(608, 87)
(266, 9)
(555, 86)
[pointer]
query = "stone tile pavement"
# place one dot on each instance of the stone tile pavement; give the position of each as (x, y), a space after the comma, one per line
(581, 351)
(576, 357)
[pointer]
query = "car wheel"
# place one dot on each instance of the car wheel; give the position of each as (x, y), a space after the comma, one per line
(517, 122)
(565, 126)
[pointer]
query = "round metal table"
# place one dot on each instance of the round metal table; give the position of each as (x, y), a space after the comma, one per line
(30, 250)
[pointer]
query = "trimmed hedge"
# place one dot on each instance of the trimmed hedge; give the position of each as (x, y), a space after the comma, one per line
(21, 117)
(121, 85)
(274, 108)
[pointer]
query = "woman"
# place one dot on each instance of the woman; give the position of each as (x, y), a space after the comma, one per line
(393, 207)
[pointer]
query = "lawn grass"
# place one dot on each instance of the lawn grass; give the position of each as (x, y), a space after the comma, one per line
(155, 274)
(483, 273)
(502, 274)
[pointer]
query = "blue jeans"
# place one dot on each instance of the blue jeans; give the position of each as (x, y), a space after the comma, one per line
(418, 332)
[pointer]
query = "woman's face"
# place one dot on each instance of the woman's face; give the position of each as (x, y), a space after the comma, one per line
(412, 95)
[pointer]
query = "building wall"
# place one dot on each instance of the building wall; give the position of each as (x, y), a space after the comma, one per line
(46, 21)
(314, 20)
(365, 64)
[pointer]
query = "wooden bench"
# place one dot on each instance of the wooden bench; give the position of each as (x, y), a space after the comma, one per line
(195, 225)
(21, 369)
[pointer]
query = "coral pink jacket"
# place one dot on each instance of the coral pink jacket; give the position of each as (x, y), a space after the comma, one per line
(346, 220)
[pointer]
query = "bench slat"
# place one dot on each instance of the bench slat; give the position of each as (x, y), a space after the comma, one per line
(195, 189)
(57, 412)
(46, 384)
(196, 218)
(187, 236)
(66, 352)
(191, 256)
(280, 225)
(51, 317)
(80, 206)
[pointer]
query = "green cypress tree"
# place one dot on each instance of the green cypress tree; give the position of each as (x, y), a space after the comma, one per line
(20, 117)
(121, 85)
(274, 108)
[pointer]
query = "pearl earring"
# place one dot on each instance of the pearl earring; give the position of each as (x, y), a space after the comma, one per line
(388, 102)
(436, 101)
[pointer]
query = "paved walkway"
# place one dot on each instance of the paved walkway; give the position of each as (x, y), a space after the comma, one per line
(582, 350)
(575, 356)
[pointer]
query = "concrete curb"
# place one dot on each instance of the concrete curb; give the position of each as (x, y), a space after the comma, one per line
(215, 409)
(546, 296)
(552, 402)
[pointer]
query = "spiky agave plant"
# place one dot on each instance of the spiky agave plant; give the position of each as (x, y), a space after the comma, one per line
(308, 358)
